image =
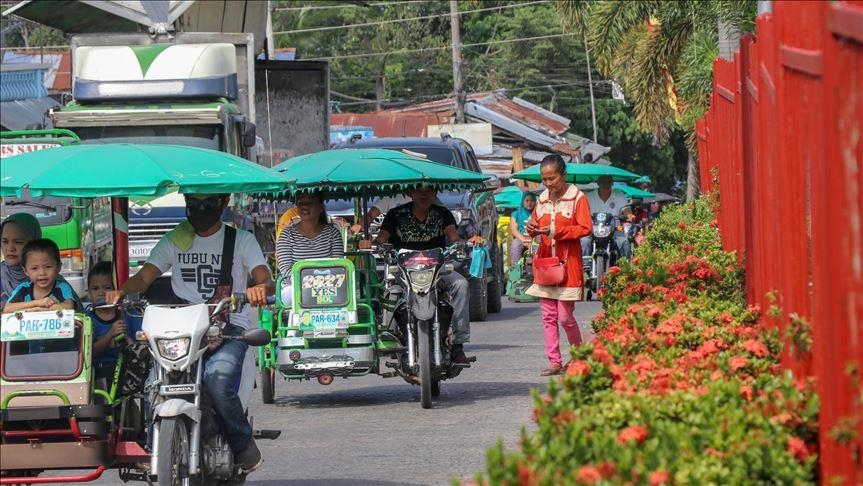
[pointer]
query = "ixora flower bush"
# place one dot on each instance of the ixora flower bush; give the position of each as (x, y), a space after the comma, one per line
(680, 386)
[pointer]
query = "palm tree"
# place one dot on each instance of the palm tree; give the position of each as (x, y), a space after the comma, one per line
(661, 54)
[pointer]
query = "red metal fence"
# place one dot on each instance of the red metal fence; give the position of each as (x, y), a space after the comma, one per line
(783, 144)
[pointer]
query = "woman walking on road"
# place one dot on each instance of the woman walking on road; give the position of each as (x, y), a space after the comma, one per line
(561, 218)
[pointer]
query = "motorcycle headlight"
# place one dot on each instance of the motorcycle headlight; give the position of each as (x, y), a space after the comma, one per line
(601, 231)
(173, 349)
(421, 280)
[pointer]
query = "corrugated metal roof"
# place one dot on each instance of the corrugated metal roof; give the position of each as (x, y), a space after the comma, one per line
(525, 112)
(58, 77)
(389, 124)
(530, 117)
(517, 118)
(445, 106)
(26, 114)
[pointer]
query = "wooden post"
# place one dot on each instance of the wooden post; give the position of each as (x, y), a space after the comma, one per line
(518, 163)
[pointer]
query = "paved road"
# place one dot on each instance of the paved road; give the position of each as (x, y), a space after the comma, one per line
(372, 431)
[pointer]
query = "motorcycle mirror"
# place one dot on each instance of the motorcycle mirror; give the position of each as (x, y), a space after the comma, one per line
(492, 183)
(256, 337)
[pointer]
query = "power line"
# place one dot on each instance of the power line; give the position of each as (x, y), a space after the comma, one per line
(507, 41)
(442, 95)
(392, 21)
(439, 48)
(346, 5)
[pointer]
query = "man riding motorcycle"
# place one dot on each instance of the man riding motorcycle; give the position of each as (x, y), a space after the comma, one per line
(422, 225)
(193, 252)
(606, 199)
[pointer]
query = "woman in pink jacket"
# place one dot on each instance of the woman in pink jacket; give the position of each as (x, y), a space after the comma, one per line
(562, 214)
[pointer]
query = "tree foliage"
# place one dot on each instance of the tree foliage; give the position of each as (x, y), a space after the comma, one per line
(518, 47)
(651, 46)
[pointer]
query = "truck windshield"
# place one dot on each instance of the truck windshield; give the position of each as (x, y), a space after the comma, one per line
(202, 136)
(48, 210)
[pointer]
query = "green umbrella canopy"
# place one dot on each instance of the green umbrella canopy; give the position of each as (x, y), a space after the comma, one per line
(121, 170)
(642, 180)
(632, 192)
(369, 172)
(581, 173)
(509, 197)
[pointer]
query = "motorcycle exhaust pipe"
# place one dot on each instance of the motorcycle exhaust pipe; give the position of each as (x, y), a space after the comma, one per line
(325, 378)
(436, 334)
(411, 345)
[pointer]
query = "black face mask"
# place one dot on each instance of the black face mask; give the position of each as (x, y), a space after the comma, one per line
(203, 219)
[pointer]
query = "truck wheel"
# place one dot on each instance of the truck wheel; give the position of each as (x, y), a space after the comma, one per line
(478, 299)
(496, 289)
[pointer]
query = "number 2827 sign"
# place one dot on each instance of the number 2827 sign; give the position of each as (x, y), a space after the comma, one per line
(28, 326)
(324, 286)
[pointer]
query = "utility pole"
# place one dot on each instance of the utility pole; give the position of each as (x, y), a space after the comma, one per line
(456, 61)
(271, 46)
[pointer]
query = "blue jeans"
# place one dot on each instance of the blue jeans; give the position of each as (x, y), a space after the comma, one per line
(459, 297)
(221, 379)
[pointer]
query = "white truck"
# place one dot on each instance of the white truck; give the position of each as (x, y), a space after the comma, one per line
(191, 89)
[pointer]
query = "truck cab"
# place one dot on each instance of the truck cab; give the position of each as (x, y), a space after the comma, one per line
(188, 89)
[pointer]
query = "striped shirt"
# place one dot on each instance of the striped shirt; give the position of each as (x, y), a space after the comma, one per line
(292, 247)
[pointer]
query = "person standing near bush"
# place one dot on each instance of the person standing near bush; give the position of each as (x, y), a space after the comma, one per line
(560, 219)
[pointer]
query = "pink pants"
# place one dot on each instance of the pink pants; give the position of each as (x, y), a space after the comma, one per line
(554, 310)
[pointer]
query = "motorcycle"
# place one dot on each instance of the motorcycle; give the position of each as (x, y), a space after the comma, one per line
(55, 415)
(603, 253)
(423, 315)
(187, 444)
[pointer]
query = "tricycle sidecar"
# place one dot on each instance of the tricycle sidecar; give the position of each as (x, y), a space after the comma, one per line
(52, 417)
(329, 329)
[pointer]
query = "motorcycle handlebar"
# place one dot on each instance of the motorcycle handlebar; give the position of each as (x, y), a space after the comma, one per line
(237, 301)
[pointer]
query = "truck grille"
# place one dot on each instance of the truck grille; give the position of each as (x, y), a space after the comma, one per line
(144, 236)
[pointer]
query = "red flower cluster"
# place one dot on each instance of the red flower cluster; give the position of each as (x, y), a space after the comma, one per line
(675, 335)
(633, 433)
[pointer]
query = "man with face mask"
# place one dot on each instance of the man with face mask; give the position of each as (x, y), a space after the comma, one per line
(607, 199)
(193, 252)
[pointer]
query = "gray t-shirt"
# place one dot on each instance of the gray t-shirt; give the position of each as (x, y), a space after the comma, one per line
(195, 273)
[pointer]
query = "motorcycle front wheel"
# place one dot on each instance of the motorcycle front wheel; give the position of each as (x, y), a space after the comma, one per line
(173, 465)
(424, 351)
(600, 272)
